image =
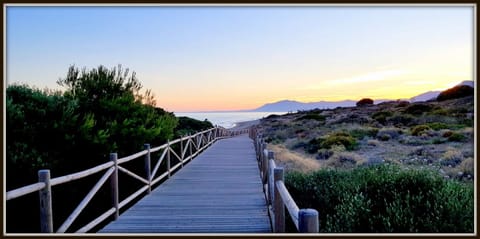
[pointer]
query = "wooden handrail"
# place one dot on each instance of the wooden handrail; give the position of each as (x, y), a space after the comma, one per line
(24, 190)
(277, 195)
(81, 174)
(194, 145)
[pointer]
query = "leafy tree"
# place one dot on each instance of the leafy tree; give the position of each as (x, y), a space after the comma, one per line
(120, 117)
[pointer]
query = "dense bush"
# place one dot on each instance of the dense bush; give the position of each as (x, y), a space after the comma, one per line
(438, 126)
(386, 134)
(312, 116)
(190, 126)
(339, 138)
(400, 119)
(384, 198)
(456, 92)
(456, 137)
(362, 132)
(381, 116)
(418, 109)
(364, 102)
(419, 129)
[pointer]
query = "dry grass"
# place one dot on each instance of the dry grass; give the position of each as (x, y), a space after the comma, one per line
(292, 161)
(344, 160)
(467, 166)
(452, 157)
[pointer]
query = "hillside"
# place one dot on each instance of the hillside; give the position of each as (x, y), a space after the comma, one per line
(431, 135)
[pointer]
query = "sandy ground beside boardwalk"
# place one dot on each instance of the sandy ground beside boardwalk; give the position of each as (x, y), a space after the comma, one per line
(245, 124)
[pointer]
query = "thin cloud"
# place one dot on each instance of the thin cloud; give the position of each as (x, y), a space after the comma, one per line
(382, 75)
(373, 76)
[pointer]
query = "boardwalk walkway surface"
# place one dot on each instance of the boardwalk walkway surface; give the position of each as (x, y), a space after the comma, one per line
(220, 191)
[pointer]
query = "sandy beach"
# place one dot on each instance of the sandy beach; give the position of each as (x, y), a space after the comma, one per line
(245, 124)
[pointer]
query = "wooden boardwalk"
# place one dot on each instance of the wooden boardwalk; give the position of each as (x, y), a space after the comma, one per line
(220, 191)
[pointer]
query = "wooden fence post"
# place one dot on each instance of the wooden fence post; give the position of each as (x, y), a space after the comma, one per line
(46, 217)
(147, 167)
(190, 145)
(265, 165)
(264, 162)
(181, 151)
(308, 220)
(270, 180)
(114, 184)
(278, 207)
(168, 158)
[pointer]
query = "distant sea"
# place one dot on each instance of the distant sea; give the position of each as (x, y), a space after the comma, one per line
(227, 119)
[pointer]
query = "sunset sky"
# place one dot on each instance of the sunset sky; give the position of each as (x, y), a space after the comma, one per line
(230, 58)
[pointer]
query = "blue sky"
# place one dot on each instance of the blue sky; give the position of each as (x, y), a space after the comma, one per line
(222, 58)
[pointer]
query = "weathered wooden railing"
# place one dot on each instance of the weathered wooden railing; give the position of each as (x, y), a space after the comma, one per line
(189, 145)
(277, 195)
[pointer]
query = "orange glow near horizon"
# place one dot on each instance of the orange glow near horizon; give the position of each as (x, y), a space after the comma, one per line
(393, 88)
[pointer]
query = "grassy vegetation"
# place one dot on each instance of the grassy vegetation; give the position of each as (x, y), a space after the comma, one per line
(391, 167)
(387, 132)
(384, 198)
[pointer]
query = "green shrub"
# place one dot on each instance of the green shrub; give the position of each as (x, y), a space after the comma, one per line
(360, 133)
(311, 116)
(188, 125)
(381, 116)
(386, 134)
(400, 119)
(418, 109)
(443, 112)
(313, 145)
(456, 92)
(419, 129)
(384, 198)
(339, 138)
(324, 154)
(438, 125)
(456, 137)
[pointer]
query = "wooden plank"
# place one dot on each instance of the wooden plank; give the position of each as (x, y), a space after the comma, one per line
(220, 191)
(95, 222)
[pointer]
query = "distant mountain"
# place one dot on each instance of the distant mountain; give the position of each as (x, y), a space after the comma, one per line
(293, 106)
(425, 96)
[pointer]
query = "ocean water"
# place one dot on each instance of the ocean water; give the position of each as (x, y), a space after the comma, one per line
(227, 119)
